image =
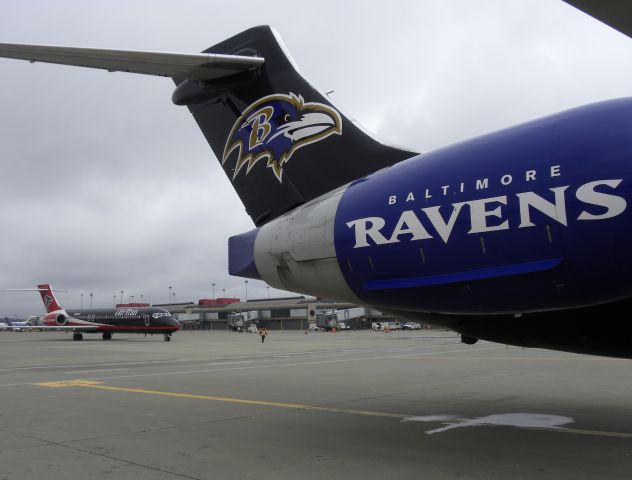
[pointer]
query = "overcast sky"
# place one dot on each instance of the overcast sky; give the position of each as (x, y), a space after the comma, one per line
(106, 186)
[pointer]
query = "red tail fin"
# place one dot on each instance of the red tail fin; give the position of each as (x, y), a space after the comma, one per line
(50, 302)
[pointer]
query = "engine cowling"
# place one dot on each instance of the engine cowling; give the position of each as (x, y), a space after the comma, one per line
(295, 252)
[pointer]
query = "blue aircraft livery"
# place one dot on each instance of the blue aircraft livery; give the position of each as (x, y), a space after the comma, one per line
(514, 221)
(274, 127)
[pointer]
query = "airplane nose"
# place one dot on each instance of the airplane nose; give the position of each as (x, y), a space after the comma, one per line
(174, 322)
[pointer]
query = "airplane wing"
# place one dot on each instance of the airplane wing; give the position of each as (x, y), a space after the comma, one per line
(198, 66)
(614, 13)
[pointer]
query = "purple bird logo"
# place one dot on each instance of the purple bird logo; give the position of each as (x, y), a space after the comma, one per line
(276, 126)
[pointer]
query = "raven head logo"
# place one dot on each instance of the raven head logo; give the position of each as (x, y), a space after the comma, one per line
(274, 127)
(47, 300)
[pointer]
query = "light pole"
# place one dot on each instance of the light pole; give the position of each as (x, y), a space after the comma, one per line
(91, 294)
(141, 298)
(131, 299)
(174, 297)
(121, 296)
(246, 282)
(268, 288)
(224, 292)
(213, 285)
(82, 300)
(170, 294)
(114, 300)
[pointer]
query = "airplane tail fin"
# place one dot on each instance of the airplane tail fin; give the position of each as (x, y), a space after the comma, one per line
(280, 141)
(48, 297)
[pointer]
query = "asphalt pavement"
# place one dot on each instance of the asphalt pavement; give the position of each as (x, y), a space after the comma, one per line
(352, 405)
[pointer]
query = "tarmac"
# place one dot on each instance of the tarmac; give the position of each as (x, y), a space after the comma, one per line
(352, 405)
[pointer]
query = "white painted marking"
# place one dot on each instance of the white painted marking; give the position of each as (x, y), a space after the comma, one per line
(522, 420)
(158, 363)
(48, 367)
(231, 363)
(101, 370)
(250, 367)
(151, 363)
(430, 418)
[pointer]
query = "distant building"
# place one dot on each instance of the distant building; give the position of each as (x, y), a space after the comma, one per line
(217, 301)
(288, 313)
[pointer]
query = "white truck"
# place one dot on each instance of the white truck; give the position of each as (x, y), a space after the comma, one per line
(241, 321)
(386, 326)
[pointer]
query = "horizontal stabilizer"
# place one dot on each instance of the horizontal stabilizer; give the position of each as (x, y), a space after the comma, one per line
(196, 66)
(31, 290)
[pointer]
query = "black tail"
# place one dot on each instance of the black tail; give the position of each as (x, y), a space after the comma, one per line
(279, 140)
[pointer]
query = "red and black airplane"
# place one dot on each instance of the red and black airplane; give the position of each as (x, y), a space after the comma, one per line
(147, 320)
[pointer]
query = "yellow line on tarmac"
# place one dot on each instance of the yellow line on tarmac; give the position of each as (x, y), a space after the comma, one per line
(504, 359)
(597, 433)
(294, 406)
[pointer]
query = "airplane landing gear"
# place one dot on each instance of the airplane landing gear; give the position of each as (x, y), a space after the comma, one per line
(107, 335)
(77, 336)
(167, 338)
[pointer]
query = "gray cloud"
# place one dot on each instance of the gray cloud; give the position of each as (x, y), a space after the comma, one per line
(107, 186)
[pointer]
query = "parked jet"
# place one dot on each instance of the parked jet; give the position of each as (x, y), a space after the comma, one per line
(15, 325)
(519, 236)
(147, 320)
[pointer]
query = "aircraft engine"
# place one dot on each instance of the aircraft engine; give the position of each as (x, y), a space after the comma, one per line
(295, 252)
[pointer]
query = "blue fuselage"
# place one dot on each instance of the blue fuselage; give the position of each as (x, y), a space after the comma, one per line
(529, 218)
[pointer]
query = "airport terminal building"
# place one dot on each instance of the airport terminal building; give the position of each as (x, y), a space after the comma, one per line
(290, 313)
